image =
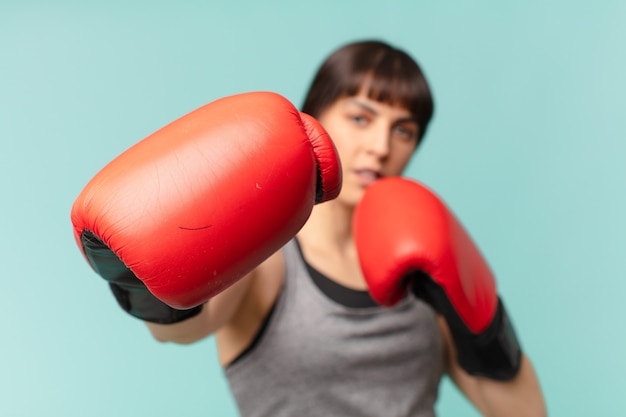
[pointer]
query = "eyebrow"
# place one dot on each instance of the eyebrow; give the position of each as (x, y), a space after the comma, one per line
(372, 110)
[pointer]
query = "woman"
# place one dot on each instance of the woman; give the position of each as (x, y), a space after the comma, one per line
(300, 335)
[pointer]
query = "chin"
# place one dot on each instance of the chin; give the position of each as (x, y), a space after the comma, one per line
(353, 197)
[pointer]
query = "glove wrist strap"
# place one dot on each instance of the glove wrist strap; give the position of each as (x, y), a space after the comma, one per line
(129, 291)
(495, 353)
(140, 303)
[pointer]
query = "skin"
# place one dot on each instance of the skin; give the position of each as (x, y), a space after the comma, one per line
(373, 140)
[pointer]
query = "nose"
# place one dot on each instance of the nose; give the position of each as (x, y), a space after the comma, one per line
(378, 141)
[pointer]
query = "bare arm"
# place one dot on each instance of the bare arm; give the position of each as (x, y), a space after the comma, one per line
(233, 315)
(215, 313)
(519, 397)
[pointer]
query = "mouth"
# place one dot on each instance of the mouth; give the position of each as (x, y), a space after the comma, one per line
(367, 176)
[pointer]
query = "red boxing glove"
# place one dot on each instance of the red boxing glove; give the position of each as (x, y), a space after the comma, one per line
(195, 206)
(408, 239)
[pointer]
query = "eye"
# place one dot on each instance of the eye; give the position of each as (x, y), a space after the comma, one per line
(405, 132)
(358, 119)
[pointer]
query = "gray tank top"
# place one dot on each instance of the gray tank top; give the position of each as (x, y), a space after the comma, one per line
(317, 357)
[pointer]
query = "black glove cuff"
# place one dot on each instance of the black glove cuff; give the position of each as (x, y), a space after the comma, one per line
(140, 303)
(131, 293)
(495, 353)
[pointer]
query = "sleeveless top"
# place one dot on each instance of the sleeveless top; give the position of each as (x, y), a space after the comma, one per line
(315, 356)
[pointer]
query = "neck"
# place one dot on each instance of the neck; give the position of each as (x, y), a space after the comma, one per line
(329, 228)
(328, 246)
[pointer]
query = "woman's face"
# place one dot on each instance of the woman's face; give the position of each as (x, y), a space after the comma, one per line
(373, 139)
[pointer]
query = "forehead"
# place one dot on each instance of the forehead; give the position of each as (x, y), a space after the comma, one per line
(364, 102)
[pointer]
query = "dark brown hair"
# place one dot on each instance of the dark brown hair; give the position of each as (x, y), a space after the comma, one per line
(392, 77)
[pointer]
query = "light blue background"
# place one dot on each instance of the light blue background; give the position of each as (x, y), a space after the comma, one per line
(527, 145)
